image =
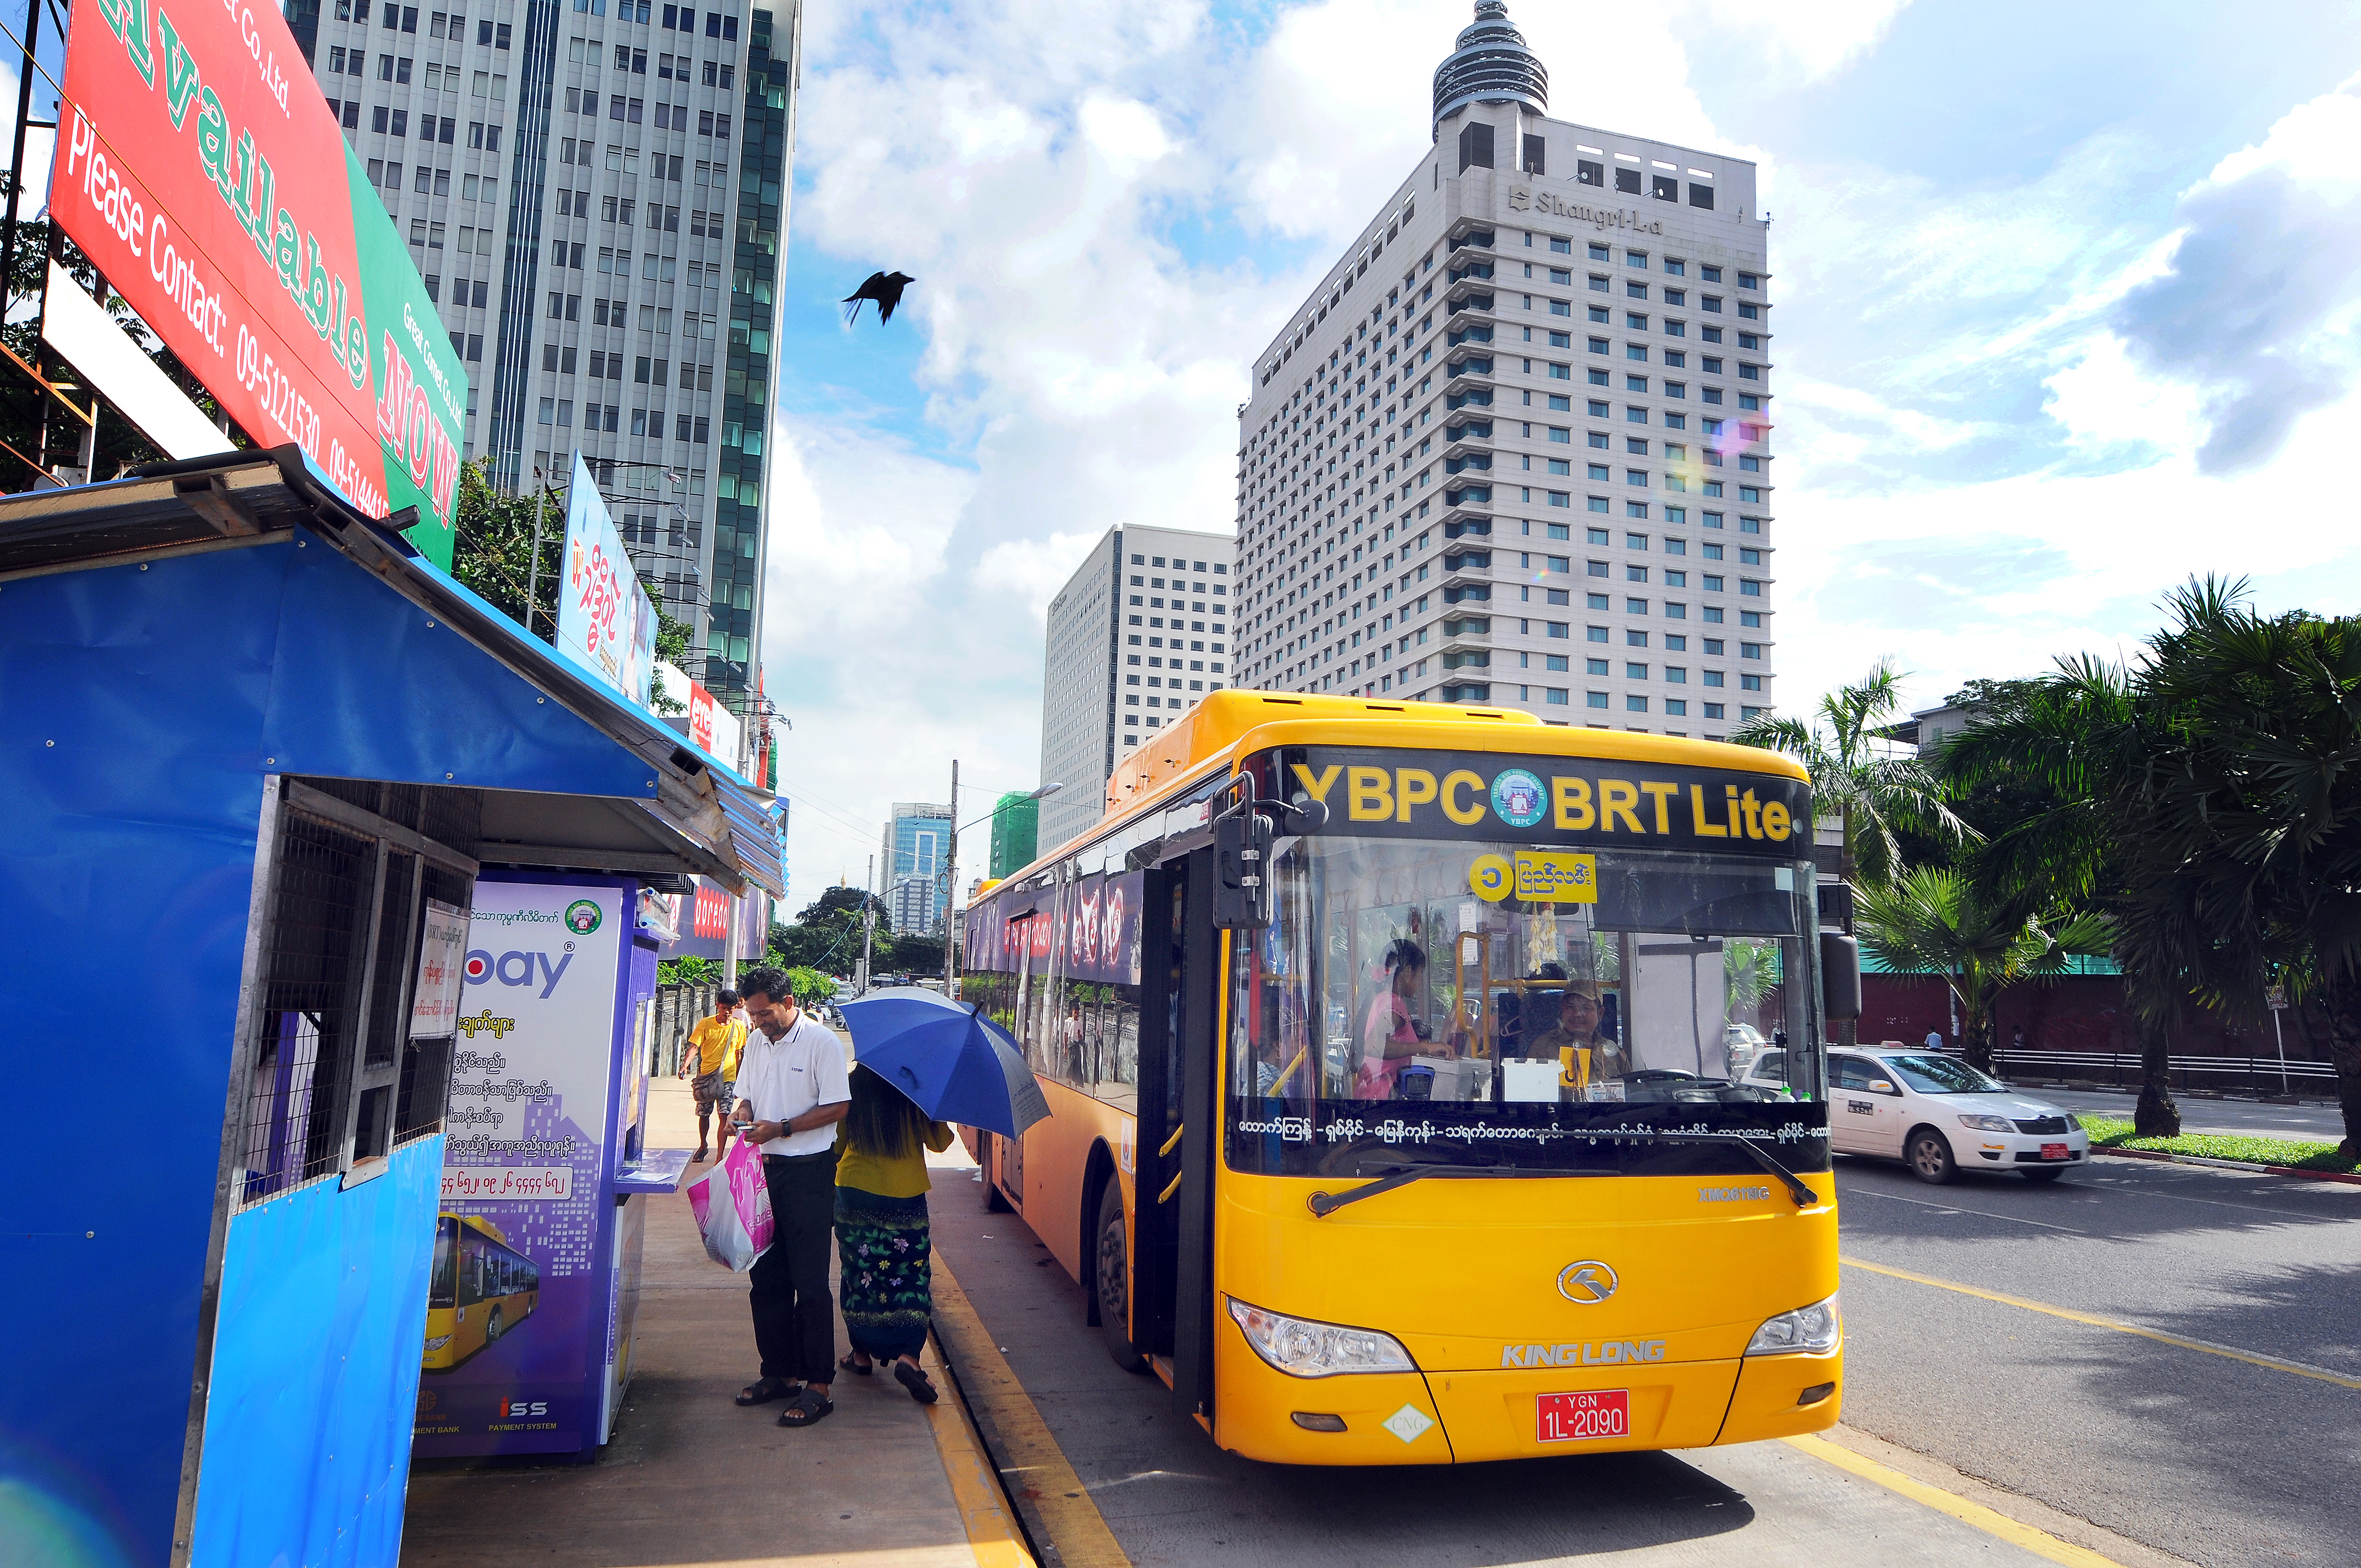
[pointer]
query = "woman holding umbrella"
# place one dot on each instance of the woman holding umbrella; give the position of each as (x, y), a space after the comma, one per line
(882, 1237)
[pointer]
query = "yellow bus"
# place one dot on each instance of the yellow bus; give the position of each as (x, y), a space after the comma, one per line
(1395, 1119)
(479, 1289)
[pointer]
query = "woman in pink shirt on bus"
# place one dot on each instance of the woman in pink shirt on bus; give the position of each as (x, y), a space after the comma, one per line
(1390, 1035)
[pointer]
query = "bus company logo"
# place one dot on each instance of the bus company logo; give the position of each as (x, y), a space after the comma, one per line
(1597, 1352)
(1587, 1284)
(1732, 1194)
(1518, 798)
(512, 1408)
(582, 916)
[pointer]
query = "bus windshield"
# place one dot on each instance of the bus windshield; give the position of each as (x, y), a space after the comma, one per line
(1471, 1001)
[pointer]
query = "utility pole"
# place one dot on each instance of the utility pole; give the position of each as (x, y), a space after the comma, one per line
(951, 886)
(868, 927)
(533, 583)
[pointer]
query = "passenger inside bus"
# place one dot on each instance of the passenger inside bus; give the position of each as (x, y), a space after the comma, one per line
(1392, 1033)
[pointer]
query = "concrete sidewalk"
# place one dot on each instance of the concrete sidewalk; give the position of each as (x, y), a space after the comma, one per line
(691, 1478)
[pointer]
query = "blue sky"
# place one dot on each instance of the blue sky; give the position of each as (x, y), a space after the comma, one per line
(2066, 313)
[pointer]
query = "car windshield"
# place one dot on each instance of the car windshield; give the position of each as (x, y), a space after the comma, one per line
(1489, 1003)
(1942, 1075)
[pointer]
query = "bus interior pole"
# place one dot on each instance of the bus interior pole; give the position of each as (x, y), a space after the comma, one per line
(951, 886)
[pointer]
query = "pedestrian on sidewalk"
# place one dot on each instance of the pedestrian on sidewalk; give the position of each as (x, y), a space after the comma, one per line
(882, 1238)
(791, 1082)
(710, 1065)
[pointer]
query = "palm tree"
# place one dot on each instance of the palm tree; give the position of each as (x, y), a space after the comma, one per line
(1936, 920)
(2251, 861)
(2076, 743)
(2212, 795)
(1879, 795)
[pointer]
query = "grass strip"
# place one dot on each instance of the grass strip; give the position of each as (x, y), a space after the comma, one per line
(2293, 1154)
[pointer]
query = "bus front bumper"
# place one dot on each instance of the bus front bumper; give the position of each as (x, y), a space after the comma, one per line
(1440, 1417)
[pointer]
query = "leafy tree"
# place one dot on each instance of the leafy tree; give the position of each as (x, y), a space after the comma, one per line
(2247, 872)
(493, 551)
(1879, 795)
(1938, 921)
(2067, 754)
(828, 934)
(2209, 795)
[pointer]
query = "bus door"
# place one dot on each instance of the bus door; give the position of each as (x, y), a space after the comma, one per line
(1173, 1314)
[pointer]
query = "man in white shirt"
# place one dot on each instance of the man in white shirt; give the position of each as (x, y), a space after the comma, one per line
(1934, 1039)
(792, 1091)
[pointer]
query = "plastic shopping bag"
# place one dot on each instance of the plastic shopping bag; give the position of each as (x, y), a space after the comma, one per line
(732, 1205)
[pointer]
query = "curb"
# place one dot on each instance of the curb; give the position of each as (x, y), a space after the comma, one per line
(993, 1534)
(2349, 1179)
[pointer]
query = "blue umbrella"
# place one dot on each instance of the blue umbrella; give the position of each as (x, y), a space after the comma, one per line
(954, 1063)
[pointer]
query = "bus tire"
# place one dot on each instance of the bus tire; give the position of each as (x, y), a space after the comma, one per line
(993, 1203)
(493, 1327)
(1928, 1154)
(1111, 1277)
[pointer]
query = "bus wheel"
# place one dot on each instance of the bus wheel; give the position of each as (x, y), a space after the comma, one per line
(492, 1326)
(993, 1203)
(1112, 1278)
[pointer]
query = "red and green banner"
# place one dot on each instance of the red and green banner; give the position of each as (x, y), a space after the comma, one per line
(273, 270)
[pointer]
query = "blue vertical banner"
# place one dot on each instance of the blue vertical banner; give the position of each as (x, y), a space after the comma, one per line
(606, 622)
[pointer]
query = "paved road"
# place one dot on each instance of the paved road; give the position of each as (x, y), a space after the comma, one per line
(2317, 1124)
(2219, 1461)
(2202, 1457)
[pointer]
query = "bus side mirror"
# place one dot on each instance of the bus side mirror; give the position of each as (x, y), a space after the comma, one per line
(1241, 867)
(1839, 977)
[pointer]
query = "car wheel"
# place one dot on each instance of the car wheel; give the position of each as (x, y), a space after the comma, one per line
(1113, 1281)
(1929, 1157)
(2043, 1173)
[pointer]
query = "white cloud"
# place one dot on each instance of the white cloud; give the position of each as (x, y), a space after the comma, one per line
(1819, 37)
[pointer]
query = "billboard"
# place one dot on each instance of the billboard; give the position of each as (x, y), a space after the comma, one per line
(201, 171)
(532, 1087)
(606, 622)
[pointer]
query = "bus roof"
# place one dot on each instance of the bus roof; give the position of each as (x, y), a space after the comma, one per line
(478, 1223)
(1240, 720)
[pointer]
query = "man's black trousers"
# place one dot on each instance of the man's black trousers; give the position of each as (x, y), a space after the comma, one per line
(795, 1316)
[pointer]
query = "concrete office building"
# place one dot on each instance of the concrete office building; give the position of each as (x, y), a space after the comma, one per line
(916, 850)
(1138, 633)
(596, 193)
(1513, 450)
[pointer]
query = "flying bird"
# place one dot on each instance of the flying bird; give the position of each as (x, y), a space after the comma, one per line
(886, 288)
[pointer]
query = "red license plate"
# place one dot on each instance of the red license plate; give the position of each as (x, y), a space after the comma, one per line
(1573, 1417)
(2053, 1151)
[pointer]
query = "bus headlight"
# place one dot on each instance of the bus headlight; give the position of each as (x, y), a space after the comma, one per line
(1301, 1348)
(434, 1345)
(1814, 1330)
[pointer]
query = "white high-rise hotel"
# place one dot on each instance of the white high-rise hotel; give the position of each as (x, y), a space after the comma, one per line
(1512, 451)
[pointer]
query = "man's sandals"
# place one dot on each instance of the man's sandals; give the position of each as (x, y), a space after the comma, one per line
(810, 1406)
(763, 1390)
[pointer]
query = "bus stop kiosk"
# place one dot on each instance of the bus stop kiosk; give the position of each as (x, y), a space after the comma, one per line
(258, 757)
(534, 1286)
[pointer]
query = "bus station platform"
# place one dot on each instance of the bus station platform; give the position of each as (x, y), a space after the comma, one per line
(692, 1479)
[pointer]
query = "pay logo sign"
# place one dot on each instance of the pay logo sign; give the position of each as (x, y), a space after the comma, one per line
(515, 968)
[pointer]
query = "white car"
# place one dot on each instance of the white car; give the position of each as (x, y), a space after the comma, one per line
(1936, 1114)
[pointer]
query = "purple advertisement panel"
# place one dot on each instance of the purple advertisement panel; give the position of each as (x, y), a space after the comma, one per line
(519, 1299)
(1085, 929)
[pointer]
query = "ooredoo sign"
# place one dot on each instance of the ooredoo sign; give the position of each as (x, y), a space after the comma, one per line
(220, 200)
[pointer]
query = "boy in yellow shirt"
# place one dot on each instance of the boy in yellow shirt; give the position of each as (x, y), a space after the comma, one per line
(710, 1064)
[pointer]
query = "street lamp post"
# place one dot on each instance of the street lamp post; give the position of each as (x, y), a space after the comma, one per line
(951, 872)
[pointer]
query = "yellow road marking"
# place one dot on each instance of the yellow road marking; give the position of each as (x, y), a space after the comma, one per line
(2250, 1357)
(2040, 1542)
(992, 1532)
(1031, 1459)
